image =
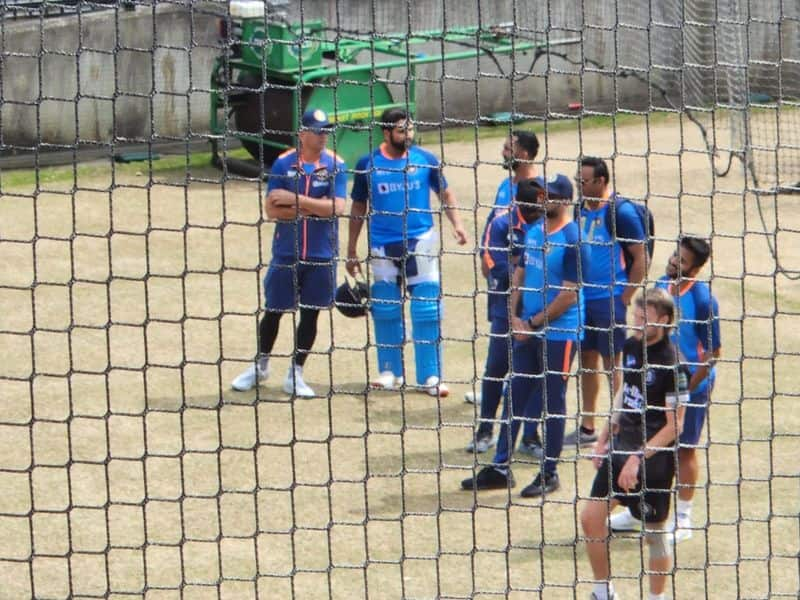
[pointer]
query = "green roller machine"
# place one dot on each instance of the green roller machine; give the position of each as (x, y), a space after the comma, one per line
(272, 70)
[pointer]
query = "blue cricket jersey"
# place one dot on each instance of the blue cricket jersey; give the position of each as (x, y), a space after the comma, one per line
(550, 259)
(698, 328)
(503, 240)
(398, 190)
(605, 275)
(314, 238)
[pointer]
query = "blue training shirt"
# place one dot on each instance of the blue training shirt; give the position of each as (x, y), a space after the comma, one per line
(313, 238)
(503, 240)
(506, 192)
(605, 275)
(399, 193)
(550, 259)
(698, 328)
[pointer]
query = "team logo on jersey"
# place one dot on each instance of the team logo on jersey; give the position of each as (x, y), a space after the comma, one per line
(411, 169)
(630, 360)
(291, 173)
(650, 377)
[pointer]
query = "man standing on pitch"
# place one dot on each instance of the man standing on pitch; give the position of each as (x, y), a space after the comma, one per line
(307, 190)
(635, 456)
(619, 265)
(697, 337)
(394, 184)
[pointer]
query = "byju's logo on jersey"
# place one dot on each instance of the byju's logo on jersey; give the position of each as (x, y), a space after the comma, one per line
(388, 187)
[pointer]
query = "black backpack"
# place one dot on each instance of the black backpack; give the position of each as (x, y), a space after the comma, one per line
(645, 217)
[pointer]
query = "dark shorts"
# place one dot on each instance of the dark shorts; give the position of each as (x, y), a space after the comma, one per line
(695, 417)
(652, 505)
(312, 283)
(600, 334)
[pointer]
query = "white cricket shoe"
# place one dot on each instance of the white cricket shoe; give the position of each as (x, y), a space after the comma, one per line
(683, 529)
(473, 398)
(434, 388)
(250, 378)
(386, 381)
(624, 521)
(294, 384)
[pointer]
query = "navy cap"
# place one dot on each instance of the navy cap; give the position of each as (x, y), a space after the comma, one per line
(557, 186)
(316, 120)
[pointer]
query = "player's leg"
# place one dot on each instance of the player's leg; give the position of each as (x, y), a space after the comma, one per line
(659, 474)
(422, 276)
(594, 516)
(523, 380)
(552, 405)
(659, 543)
(688, 469)
(279, 297)
(492, 384)
(387, 316)
(317, 283)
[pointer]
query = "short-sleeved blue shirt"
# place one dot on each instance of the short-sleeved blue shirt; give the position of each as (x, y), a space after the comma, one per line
(550, 259)
(606, 276)
(398, 190)
(698, 329)
(307, 238)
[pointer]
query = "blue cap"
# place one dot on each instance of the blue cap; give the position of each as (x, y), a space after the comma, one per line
(316, 120)
(556, 186)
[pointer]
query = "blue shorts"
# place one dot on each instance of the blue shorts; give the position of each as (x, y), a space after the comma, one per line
(695, 416)
(313, 283)
(599, 332)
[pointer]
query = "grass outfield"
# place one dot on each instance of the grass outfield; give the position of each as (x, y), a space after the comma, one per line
(128, 306)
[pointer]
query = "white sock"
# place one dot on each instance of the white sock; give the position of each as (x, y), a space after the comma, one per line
(604, 590)
(263, 361)
(653, 596)
(684, 509)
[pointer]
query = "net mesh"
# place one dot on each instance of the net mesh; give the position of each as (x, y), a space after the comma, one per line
(130, 296)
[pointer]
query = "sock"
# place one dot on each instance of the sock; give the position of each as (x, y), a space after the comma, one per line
(652, 596)
(683, 508)
(587, 430)
(263, 361)
(604, 590)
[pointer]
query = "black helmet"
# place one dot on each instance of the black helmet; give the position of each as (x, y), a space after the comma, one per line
(352, 298)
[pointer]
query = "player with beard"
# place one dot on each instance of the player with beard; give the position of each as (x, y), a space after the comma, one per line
(392, 188)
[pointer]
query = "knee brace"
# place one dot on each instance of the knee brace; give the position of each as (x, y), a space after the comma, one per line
(660, 542)
(387, 314)
(426, 315)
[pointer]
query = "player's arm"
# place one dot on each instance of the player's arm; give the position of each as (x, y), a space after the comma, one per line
(559, 305)
(637, 272)
(448, 199)
(629, 228)
(518, 327)
(280, 203)
(358, 212)
(496, 253)
(707, 331)
(291, 203)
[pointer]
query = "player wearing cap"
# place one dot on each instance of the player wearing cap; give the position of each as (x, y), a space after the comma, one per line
(306, 192)
(609, 285)
(545, 285)
(635, 457)
(519, 151)
(698, 339)
(503, 243)
(394, 184)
